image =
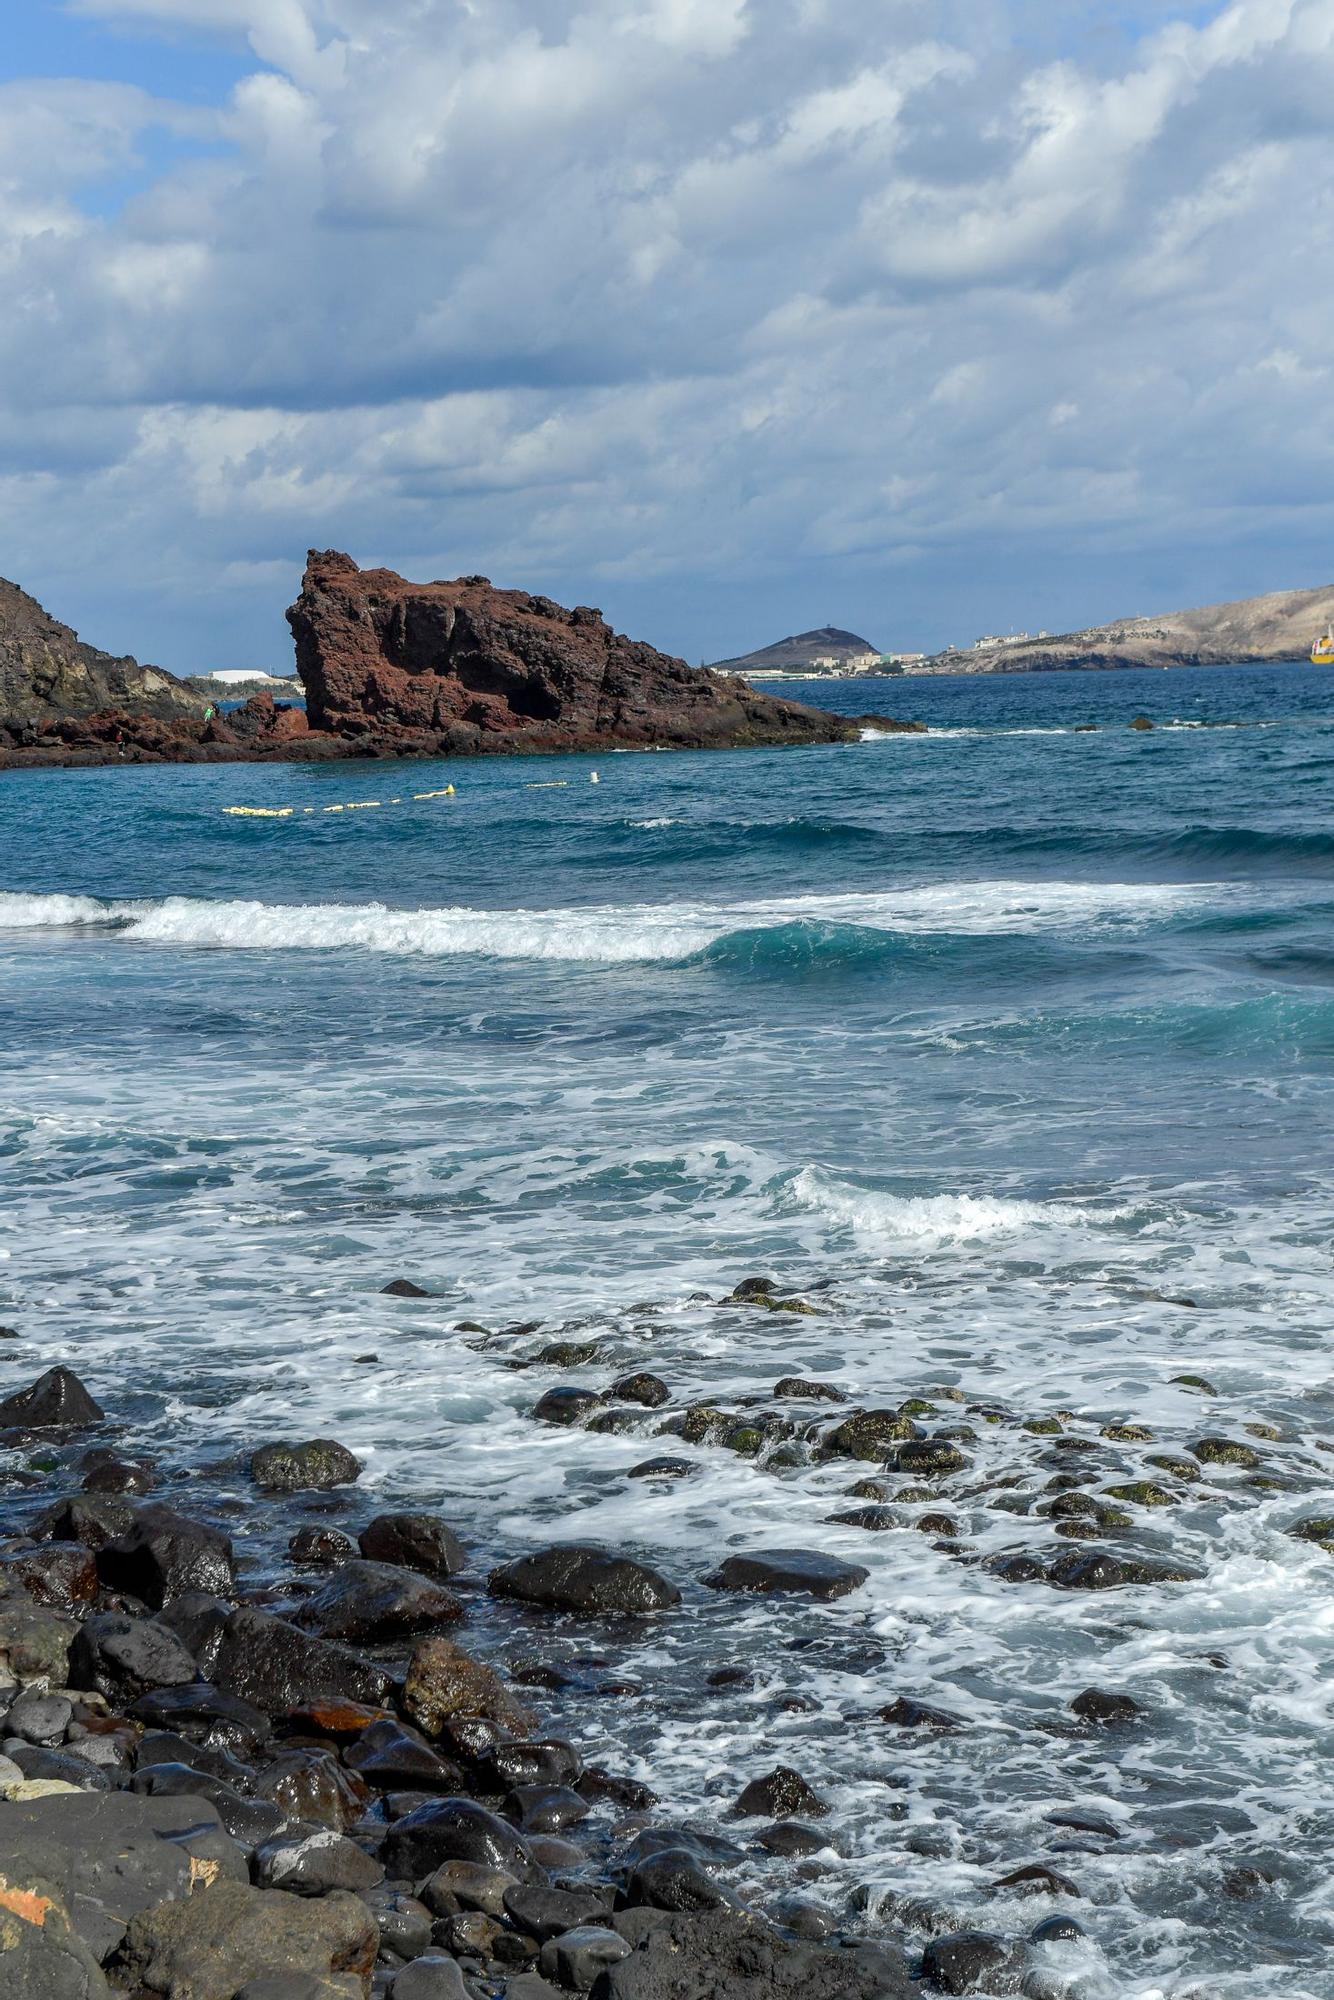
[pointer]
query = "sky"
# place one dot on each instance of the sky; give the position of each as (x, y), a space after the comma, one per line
(925, 318)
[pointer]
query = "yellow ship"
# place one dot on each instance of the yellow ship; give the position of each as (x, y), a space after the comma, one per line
(1322, 653)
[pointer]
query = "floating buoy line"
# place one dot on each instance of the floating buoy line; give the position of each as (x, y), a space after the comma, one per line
(368, 805)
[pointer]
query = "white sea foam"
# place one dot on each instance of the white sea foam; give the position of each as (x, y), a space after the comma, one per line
(607, 934)
(925, 1221)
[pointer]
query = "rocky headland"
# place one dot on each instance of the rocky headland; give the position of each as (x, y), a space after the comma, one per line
(1281, 625)
(394, 669)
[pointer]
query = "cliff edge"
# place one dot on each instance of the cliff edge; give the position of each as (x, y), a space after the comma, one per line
(48, 674)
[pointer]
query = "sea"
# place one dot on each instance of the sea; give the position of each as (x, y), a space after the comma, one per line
(1007, 1048)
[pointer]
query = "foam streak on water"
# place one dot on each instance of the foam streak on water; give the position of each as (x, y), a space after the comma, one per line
(1013, 1059)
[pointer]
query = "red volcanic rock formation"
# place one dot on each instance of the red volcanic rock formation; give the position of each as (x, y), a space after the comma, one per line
(464, 666)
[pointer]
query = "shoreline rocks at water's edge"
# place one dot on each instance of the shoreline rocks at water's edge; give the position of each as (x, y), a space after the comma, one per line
(403, 670)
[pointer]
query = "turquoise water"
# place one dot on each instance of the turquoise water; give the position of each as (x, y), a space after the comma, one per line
(993, 1042)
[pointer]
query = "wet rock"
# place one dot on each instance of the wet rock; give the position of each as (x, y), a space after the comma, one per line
(507, 1765)
(1034, 1880)
(302, 1986)
(312, 1785)
(544, 1913)
(431, 1977)
(273, 1664)
(444, 1683)
(317, 1465)
(649, 1390)
(413, 1541)
(577, 1959)
(936, 1524)
(161, 1556)
(780, 1795)
(62, 1767)
(110, 1856)
(1086, 1822)
(805, 1572)
(310, 1864)
(907, 1713)
(876, 1520)
(92, 1521)
(456, 1830)
(109, 1474)
(1097, 1570)
(467, 1885)
(662, 1468)
(581, 1577)
(199, 1621)
(403, 1288)
(60, 1574)
(870, 1434)
(122, 1658)
(44, 1958)
(55, 1401)
(1015, 1566)
(1127, 1433)
(371, 1601)
(729, 1955)
(873, 1489)
(792, 1839)
(1096, 1705)
(568, 1353)
(1201, 1386)
(601, 1787)
(39, 1718)
(1142, 1493)
(751, 1289)
(1056, 1930)
(967, 1962)
(797, 1388)
(930, 1458)
(1317, 1528)
(673, 1879)
(319, 1547)
(204, 1715)
(208, 1946)
(806, 1919)
(1225, 1451)
(392, 1758)
(566, 1406)
(545, 1808)
(248, 1821)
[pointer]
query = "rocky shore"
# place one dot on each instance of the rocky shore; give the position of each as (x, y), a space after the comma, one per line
(394, 669)
(274, 1767)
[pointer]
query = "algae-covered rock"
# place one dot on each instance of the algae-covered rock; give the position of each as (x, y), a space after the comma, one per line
(1225, 1451)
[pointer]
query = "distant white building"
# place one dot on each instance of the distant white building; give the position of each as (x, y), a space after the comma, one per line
(233, 674)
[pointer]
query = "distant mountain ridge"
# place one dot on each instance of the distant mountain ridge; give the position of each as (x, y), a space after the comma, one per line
(803, 649)
(1280, 625)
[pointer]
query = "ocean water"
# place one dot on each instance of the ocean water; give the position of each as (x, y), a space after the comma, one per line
(1009, 1048)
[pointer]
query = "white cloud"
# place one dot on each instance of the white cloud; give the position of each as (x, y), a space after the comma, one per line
(692, 289)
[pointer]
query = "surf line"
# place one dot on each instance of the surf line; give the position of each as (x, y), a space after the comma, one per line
(347, 805)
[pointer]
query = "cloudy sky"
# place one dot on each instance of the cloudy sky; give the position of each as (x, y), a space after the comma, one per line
(925, 317)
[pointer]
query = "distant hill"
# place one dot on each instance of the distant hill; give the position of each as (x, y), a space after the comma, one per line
(48, 673)
(803, 649)
(1278, 626)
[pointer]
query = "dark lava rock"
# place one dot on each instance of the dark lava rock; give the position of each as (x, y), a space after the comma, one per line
(804, 1571)
(456, 1830)
(371, 1601)
(273, 1664)
(545, 1808)
(109, 1474)
(298, 1468)
(1034, 1880)
(55, 1401)
(581, 1577)
(967, 1962)
(579, 1957)
(544, 1913)
(601, 1787)
(566, 1406)
(780, 1795)
(122, 1658)
(403, 1288)
(109, 1856)
(207, 1946)
(430, 1977)
(60, 1574)
(444, 1685)
(870, 1434)
(673, 1879)
(1056, 1930)
(1096, 1705)
(310, 1864)
(905, 1713)
(204, 1714)
(876, 1520)
(199, 1621)
(929, 1458)
(649, 1390)
(248, 1821)
(92, 1522)
(162, 1555)
(792, 1839)
(318, 1547)
(413, 1541)
(311, 1785)
(729, 1955)
(1224, 1451)
(662, 1468)
(1086, 1822)
(797, 1388)
(393, 1758)
(1077, 1569)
